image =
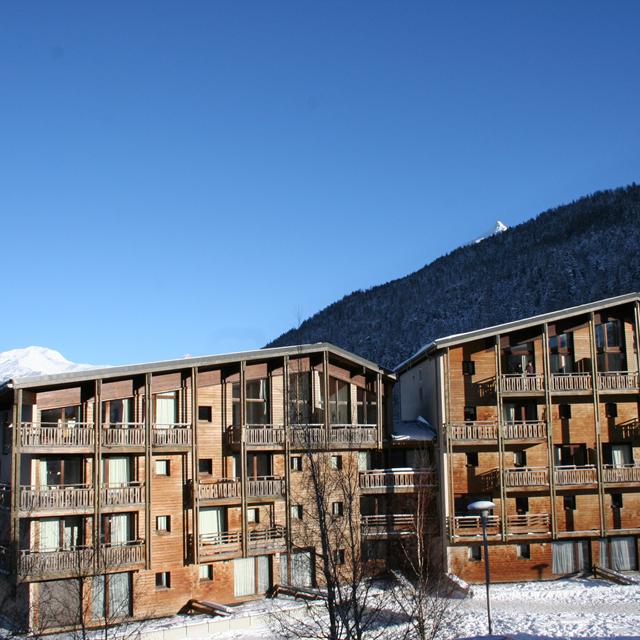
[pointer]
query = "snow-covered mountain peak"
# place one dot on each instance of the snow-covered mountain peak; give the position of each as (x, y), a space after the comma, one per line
(35, 361)
(498, 228)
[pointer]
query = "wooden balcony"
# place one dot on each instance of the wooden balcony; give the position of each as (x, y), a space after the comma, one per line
(212, 545)
(620, 474)
(220, 489)
(529, 430)
(396, 480)
(528, 524)
(618, 381)
(350, 435)
(79, 497)
(270, 539)
(122, 494)
(471, 526)
(473, 431)
(123, 435)
(575, 475)
(34, 564)
(522, 383)
(388, 525)
(307, 436)
(266, 487)
(49, 436)
(570, 382)
(524, 477)
(171, 436)
(114, 557)
(257, 436)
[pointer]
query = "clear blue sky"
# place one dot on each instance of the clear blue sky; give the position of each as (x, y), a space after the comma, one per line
(194, 177)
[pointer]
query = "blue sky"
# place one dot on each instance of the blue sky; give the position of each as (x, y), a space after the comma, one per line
(196, 177)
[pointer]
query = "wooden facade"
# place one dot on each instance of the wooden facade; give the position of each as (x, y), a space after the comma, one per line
(540, 416)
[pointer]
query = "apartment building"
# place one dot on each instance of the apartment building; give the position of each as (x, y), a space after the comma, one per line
(155, 484)
(540, 416)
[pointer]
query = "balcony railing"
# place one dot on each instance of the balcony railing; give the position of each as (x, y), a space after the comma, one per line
(349, 434)
(74, 497)
(221, 489)
(47, 435)
(265, 487)
(521, 382)
(113, 556)
(624, 473)
(268, 435)
(123, 434)
(76, 562)
(573, 474)
(213, 544)
(475, 430)
(471, 526)
(529, 523)
(388, 524)
(618, 381)
(171, 435)
(269, 539)
(570, 382)
(526, 477)
(529, 430)
(307, 436)
(389, 479)
(122, 494)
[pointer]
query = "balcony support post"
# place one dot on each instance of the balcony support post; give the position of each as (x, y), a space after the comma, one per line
(596, 419)
(549, 419)
(243, 457)
(500, 421)
(379, 412)
(195, 550)
(287, 461)
(15, 489)
(636, 329)
(327, 404)
(148, 461)
(97, 463)
(448, 502)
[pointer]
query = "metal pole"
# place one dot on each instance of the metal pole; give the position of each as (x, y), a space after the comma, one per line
(487, 577)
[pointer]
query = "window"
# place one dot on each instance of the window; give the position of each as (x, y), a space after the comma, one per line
(523, 551)
(472, 458)
(570, 454)
(235, 403)
(336, 462)
(468, 368)
(516, 358)
(118, 412)
(163, 580)
(522, 505)
(366, 405)
(253, 515)
(111, 596)
(296, 512)
(475, 552)
(64, 416)
(339, 401)
(561, 353)
(300, 398)
(565, 411)
(205, 466)
(611, 410)
(520, 458)
(470, 414)
(205, 572)
(338, 556)
(569, 503)
(296, 463)
(337, 508)
(616, 501)
(610, 346)
(163, 524)
(618, 455)
(257, 401)
(163, 468)
(205, 413)
(166, 409)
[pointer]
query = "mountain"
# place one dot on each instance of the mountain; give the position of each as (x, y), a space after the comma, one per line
(576, 253)
(34, 361)
(499, 228)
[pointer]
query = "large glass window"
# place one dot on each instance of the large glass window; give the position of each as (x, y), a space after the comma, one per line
(62, 416)
(367, 406)
(235, 403)
(300, 398)
(561, 352)
(61, 471)
(111, 596)
(339, 401)
(257, 401)
(518, 358)
(166, 409)
(570, 454)
(118, 412)
(610, 346)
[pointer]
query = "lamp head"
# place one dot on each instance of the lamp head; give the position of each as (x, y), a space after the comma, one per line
(482, 506)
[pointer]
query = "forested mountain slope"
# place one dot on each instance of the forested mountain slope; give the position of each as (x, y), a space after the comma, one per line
(577, 253)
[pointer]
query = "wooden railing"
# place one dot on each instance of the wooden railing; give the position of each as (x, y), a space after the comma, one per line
(528, 523)
(307, 436)
(257, 435)
(76, 562)
(388, 524)
(618, 381)
(397, 478)
(54, 497)
(570, 382)
(463, 526)
(350, 434)
(526, 477)
(171, 435)
(220, 489)
(5, 496)
(476, 430)
(572, 474)
(42, 435)
(267, 539)
(265, 487)
(212, 544)
(123, 434)
(118, 555)
(624, 473)
(122, 494)
(529, 430)
(521, 382)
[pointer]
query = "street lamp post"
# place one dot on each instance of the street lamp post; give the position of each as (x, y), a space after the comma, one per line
(484, 507)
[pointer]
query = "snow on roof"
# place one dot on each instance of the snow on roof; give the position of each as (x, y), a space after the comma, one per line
(418, 430)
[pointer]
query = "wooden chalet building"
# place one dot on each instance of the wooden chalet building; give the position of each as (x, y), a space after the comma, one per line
(160, 483)
(541, 416)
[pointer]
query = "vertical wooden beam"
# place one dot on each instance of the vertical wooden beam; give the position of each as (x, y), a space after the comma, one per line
(148, 462)
(243, 457)
(500, 421)
(97, 472)
(327, 409)
(15, 488)
(195, 551)
(287, 460)
(548, 407)
(451, 492)
(636, 329)
(379, 412)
